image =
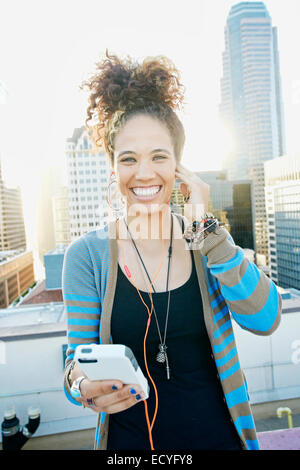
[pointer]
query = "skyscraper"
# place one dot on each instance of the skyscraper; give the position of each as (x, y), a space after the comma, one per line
(282, 178)
(12, 227)
(88, 176)
(251, 102)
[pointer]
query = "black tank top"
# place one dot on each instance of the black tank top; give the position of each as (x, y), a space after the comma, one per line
(192, 413)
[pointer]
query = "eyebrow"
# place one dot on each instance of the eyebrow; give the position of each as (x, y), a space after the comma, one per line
(130, 152)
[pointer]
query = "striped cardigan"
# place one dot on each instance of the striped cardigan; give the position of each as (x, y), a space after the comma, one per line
(231, 287)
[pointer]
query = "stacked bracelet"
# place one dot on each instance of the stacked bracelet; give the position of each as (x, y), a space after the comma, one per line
(198, 230)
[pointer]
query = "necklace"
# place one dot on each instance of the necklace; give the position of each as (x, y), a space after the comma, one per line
(162, 348)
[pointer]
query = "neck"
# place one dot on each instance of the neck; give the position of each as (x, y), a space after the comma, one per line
(146, 227)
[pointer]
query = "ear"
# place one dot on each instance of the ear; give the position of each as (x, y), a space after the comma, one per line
(184, 189)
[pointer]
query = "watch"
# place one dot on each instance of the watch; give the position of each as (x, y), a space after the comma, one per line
(75, 389)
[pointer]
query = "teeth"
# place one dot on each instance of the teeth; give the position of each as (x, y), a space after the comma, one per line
(146, 192)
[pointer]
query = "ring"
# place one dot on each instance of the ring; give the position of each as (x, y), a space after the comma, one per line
(91, 403)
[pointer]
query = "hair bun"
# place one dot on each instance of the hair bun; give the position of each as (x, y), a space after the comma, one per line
(121, 84)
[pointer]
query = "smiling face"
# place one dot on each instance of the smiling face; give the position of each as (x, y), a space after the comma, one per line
(144, 162)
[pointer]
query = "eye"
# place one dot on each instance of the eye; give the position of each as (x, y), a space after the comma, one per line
(160, 156)
(127, 159)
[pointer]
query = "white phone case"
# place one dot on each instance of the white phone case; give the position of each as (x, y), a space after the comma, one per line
(110, 362)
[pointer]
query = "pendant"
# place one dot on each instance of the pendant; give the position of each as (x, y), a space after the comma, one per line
(161, 356)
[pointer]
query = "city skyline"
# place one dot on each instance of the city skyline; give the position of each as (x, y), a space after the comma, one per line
(60, 287)
(43, 103)
(251, 105)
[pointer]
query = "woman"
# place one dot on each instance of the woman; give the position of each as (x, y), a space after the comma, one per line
(136, 282)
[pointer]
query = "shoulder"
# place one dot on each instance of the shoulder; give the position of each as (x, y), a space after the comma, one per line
(93, 237)
(91, 243)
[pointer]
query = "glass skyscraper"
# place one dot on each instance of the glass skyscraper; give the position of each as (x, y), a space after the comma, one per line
(251, 102)
(283, 215)
(231, 202)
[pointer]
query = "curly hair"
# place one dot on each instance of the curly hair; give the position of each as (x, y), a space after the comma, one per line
(122, 88)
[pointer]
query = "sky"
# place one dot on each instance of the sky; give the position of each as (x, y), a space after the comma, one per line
(49, 47)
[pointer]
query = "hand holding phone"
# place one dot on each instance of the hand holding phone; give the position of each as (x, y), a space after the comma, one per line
(113, 380)
(110, 396)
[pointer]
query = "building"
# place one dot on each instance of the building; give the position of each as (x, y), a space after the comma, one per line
(16, 275)
(12, 227)
(50, 184)
(88, 175)
(283, 216)
(61, 216)
(53, 261)
(231, 202)
(251, 105)
(49, 289)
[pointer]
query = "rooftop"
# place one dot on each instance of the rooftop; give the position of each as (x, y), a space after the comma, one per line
(272, 435)
(40, 295)
(29, 315)
(8, 255)
(76, 134)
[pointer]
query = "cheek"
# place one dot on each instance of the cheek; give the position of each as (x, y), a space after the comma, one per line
(123, 178)
(169, 174)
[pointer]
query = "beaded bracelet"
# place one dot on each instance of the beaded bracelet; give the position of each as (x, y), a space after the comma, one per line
(198, 230)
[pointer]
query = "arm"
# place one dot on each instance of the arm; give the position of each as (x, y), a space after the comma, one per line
(83, 309)
(82, 305)
(252, 298)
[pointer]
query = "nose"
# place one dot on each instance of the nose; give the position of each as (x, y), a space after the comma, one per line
(145, 170)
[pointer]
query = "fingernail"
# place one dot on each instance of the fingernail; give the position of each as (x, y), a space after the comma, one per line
(114, 387)
(138, 397)
(132, 391)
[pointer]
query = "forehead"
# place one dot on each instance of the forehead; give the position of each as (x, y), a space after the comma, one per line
(143, 133)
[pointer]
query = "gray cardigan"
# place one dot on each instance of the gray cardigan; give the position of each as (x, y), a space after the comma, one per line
(231, 288)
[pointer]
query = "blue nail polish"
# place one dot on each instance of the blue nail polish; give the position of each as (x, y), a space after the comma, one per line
(138, 397)
(132, 391)
(114, 387)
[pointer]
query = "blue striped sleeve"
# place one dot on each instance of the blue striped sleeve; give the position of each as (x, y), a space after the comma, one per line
(264, 319)
(81, 300)
(252, 297)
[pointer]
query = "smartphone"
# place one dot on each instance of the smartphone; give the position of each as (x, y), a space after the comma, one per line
(110, 362)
